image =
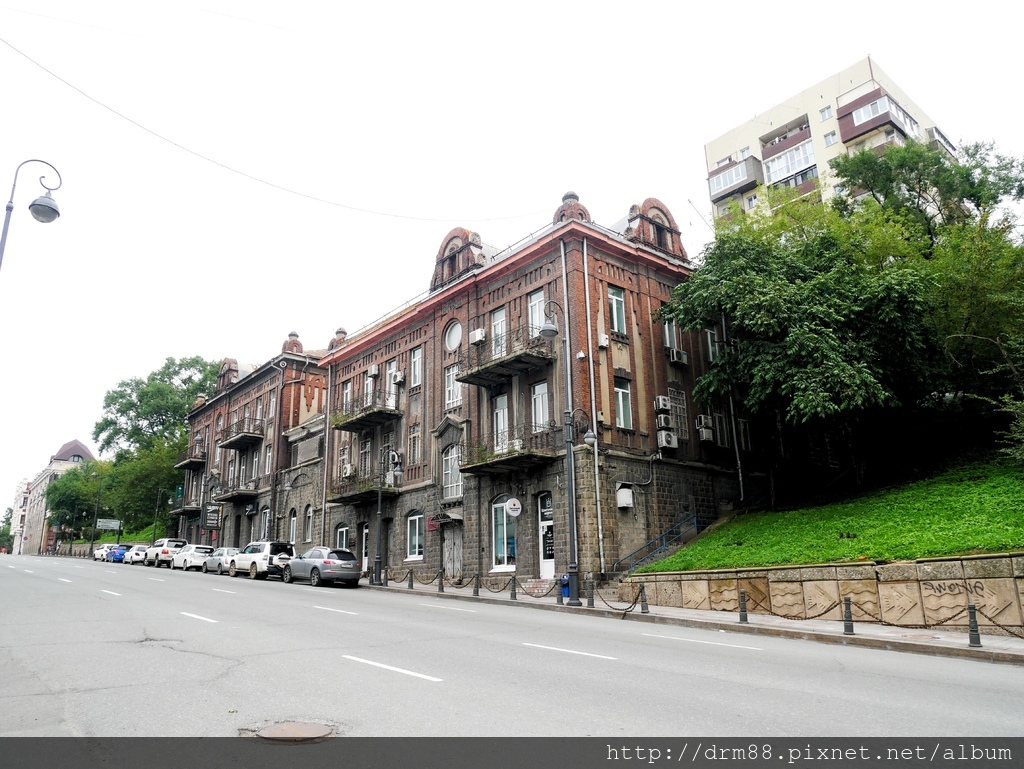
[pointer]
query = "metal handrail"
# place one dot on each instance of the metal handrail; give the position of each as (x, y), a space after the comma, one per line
(511, 343)
(658, 545)
(525, 438)
(246, 425)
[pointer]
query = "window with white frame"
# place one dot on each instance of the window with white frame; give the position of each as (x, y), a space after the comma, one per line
(293, 520)
(498, 338)
(503, 530)
(830, 138)
(623, 404)
(825, 112)
(307, 533)
(220, 426)
(727, 179)
(259, 407)
(723, 435)
(790, 162)
(751, 201)
(414, 536)
(868, 111)
(341, 537)
(272, 404)
(346, 396)
(539, 406)
(535, 309)
(368, 383)
(414, 444)
(268, 460)
(451, 476)
(617, 309)
(670, 338)
(265, 523)
(680, 424)
(500, 421)
(452, 387)
(365, 456)
(416, 367)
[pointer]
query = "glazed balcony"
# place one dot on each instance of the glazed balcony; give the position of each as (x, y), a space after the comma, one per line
(497, 360)
(520, 448)
(368, 411)
(193, 458)
(356, 488)
(241, 435)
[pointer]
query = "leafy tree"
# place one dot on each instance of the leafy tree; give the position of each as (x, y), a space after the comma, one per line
(76, 496)
(6, 539)
(139, 413)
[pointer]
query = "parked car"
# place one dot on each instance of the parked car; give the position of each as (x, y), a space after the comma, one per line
(219, 560)
(190, 557)
(162, 551)
(261, 559)
(137, 554)
(100, 553)
(116, 553)
(324, 566)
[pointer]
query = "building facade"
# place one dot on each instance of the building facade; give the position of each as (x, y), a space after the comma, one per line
(791, 144)
(37, 535)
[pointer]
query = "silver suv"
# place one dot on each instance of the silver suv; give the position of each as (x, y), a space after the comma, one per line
(163, 551)
(261, 559)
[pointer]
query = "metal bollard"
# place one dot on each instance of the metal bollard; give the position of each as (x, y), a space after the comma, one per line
(847, 617)
(743, 607)
(973, 637)
(559, 601)
(476, 586)
(590, 594)
(644, 609)
(512, 596)
(384, 576)
(410, 579)
(440, 582)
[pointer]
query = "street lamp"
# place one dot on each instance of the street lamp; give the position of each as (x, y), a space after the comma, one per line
(395, 463)
(96, 517)
(43, 208)
(549, 331)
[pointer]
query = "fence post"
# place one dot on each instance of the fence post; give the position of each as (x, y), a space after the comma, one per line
(440, 581)
(590, 594)
(476, 586)
(847, 617)
(644, 608)
(973, 637)
(512, 595)
(410, 579)
(743, 607)
(384, 576)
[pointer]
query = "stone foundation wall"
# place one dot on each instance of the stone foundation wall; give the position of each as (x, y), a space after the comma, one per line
(925, 592)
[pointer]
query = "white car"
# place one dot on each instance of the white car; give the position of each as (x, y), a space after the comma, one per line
(190, 557)
(100, 553)
(162, 551)
(219, 560)
(136, 555)
(261, 559)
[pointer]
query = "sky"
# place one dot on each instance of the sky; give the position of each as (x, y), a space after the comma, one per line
(235, 170)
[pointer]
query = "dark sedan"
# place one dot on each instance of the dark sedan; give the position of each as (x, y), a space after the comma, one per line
(323, 566)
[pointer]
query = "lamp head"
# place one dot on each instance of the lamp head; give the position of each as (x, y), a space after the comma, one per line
(590, 438)
(549, 330)
(44, 209)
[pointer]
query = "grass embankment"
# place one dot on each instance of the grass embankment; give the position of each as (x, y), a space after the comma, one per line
(972, 509)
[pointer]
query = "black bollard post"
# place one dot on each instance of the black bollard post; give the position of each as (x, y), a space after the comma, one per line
(590, 594)
(974, 638)
(440, 582)
(512, 595)
(644, 608)
(743, 606)
(410, 579)
(847, 617)
(384, 576)
(558, 594)
(476, 586)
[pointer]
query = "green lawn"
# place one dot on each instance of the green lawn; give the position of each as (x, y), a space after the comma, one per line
(975, 508)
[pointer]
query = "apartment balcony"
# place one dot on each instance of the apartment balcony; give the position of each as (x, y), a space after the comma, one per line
(735, 179)
(491, 361)
(520, 448)
(241, 434)
(193, 458)
(368, 411)
(355, 488)
(237, 491)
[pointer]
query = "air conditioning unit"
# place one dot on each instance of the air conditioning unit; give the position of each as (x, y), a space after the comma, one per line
(705, 421)
(373, 370)
(602, 340)
(667, 440)
(705, 434)
(397, 377)
(662, 403)
(347, 471)
(477, 336)
(677, 356)
(664, 421)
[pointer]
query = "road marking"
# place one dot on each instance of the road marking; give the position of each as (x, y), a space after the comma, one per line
(63, 580)
(340, 611)
(452, 608)
(110, 571)
(218, 590)
(710, 643)
(29, 571)
(109, 591)
(196, 616)
(570, 651)
(77, 566)
(12, 567)
(155, 579)
(395, 670)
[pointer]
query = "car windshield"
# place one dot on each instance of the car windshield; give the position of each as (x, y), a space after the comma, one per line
(342, 555)
(205, 550)
(176, 543)
(279, 547)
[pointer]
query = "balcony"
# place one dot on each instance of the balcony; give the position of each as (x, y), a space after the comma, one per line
(356, 488)
(370, 410)
(496, 360)
(520, 448)
(193, 458)
(735, 179)
(237, 491)
(241, 434)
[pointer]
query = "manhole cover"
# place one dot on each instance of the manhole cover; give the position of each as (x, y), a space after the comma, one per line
(294, 732)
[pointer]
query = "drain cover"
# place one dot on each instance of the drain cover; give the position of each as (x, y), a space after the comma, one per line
(291, 731)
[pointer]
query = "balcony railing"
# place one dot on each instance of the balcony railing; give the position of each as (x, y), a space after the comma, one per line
(356, 487)
(519, 448)
(241, 434)
(234, 491)
(193, 458)
(371, 409)
(499, 358)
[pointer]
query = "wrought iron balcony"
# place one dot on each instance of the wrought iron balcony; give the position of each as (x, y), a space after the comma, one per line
(369, 410)
(241, 434)
(498, 359)
(236, 491)
(356, 488)
(520, 448)
(193, 458)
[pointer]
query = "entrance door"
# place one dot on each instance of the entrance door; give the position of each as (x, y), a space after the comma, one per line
(546, 521)
(453, 552)
(365, 540)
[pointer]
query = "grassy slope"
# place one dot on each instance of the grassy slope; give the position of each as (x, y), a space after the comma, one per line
(977, 508)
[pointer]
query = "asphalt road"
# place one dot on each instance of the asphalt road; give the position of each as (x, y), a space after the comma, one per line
(93, 649)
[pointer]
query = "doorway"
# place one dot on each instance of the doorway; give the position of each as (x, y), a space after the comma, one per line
(546, 523)
(452, 554)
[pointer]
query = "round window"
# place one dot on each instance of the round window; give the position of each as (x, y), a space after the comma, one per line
(453, 336)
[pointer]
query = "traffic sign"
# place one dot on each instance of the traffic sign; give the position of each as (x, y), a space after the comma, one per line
(108, 523)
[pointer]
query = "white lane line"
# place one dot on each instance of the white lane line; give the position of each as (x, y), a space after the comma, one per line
(12, 567)
(154, 579)
(709, 643)
(29, 571)
(340, 611)
(109, 591)
(63, 580)
(395, 670)
(570, 651)
(79, 567)
(218, 590)
(452, 608)
(196, 616)
(110, 571)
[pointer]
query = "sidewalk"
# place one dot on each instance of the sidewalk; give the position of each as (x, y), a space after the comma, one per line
(943, 643)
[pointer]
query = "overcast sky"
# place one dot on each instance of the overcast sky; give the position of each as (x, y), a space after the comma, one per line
(234, 170)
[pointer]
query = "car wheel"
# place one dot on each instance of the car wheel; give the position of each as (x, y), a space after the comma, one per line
(220, 570)
(314, 578)
(232, 571)
(205, 570)
(286, 577)
(253, 571)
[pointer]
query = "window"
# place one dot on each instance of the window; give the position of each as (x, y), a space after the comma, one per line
(292, 521)
(414, 536)
(365, 454)
(367, 389)
(341, 538)
(307, 531)
(453, 336)
(390, 386)
(416, 367)
(535, 309)
(751, 202)
(220, 426)
(617, 309)
(503, 542)
(414, 444)
(723, 161)
(451, 477)
(498, 332)
(868, 111)
(680, 424)
(743, 434)
(268, 463)
(825, 112)
(452, 387)
(623, 404)
(830, 138)
(790, 162)
(669, 338)
(727, 179)
(723, 435)
(272, 404)
(539, 406)
(259, 408)
(501, 423)
(346, 396)
(711, 344)
(744, 153)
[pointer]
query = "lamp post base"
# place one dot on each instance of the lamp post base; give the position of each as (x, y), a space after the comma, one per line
(574, 589)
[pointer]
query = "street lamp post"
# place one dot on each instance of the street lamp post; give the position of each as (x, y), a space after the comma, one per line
(96, 517)
(549, 331)
(43, 208)
(395, 462)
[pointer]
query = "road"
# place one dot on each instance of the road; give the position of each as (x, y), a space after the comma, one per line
(106, 650)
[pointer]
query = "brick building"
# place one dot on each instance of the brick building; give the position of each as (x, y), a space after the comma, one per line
(37, 535)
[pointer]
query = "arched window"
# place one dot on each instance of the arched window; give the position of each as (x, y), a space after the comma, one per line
(503, 535)
(292, 521)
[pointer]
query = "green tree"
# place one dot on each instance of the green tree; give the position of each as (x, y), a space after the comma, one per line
(6, 539)
(76, 496)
